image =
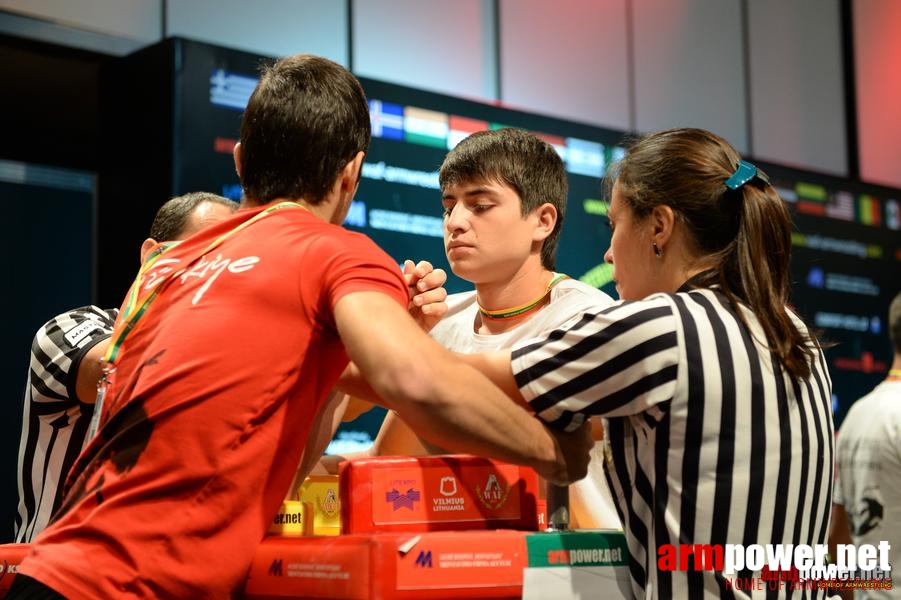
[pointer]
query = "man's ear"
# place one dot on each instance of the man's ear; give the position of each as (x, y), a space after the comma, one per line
(236, 153)
(148, 245)
(547, 220)
(351, 174)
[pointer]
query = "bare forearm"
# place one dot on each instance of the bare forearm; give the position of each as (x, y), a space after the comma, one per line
(89, 372)
(355, 385)
(444, 400)
(496, 367)
(466, 421)
(321, 432)
(395, 438)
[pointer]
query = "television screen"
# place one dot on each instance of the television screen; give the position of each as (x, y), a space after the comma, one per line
(847, 243)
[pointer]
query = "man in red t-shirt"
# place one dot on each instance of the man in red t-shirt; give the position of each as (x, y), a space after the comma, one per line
(226, 352)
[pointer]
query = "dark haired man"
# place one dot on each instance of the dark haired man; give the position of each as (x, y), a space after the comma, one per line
(504, 196)
(65, 369)
(236, 339)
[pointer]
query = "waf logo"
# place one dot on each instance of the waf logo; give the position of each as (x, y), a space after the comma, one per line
(399, 500)
(330, 505)
(448, 486)
(493, 496)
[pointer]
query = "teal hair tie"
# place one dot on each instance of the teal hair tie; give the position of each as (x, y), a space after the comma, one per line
(744, 173)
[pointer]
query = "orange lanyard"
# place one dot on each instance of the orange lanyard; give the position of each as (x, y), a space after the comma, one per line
(136, 304)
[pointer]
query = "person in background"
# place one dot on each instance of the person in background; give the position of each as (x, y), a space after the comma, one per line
(867, 498)
(504, 197)
(226, 358)
(716, 397)
(65, 369)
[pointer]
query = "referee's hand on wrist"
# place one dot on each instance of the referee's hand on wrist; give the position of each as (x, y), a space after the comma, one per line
(573, 455)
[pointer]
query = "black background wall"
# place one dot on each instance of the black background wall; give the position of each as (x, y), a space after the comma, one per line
(51, 112)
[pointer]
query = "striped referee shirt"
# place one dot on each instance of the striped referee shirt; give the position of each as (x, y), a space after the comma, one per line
(54, 421)
(709, 441)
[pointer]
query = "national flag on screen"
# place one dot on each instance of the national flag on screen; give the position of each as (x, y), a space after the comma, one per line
(811, 191)
(892, 216)
(811, 199)
(387, 120)
(584, 157)
(461, 128)
(558, 142)
(231, 90)
(427, 127)
(868, 210)
(807, 207)
(841, 206)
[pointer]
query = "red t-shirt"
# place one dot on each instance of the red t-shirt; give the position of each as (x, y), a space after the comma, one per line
(212, 400)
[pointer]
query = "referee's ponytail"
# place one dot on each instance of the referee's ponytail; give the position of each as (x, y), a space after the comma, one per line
(736, 219)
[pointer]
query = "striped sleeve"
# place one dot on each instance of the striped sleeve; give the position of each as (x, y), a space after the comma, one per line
(59, 346)
(54, 421)
(616, 362)
(709, 439)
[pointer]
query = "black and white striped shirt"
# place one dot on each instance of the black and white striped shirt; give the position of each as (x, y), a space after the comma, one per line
(54, 421)
(709, 440)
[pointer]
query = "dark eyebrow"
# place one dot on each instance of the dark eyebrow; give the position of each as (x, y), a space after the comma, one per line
(479, 190)
(476, 191)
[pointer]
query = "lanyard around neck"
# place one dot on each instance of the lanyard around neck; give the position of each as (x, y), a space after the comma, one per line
(136, 304)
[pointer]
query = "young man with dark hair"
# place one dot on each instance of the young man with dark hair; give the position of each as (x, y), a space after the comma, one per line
(504, 197)
(65, 369)
(232, 345)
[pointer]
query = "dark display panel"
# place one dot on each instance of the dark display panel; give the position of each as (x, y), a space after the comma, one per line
(847, 245)
(398, 203)
(52, 217)
(846, 268)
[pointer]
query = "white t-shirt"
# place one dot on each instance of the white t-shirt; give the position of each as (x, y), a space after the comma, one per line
(868, 469)
(590, 499)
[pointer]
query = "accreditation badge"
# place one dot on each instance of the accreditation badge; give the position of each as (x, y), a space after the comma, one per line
(102, 387)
